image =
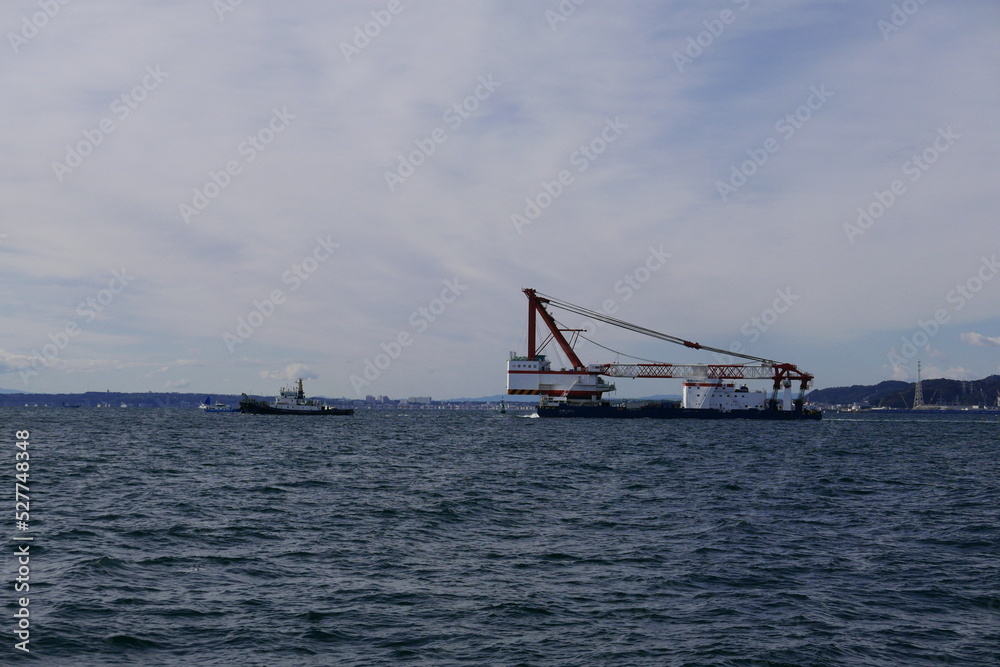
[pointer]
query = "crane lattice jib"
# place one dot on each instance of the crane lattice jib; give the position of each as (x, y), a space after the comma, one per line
(777, 372)
(707, 371)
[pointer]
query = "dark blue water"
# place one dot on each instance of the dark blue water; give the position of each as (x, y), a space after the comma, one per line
(180, 538)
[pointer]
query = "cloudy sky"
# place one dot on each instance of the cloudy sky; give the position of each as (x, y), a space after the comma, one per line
(219, 196)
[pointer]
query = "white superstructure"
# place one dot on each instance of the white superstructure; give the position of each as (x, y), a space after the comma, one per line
(705, 394)
(536, 376)
(293, 399)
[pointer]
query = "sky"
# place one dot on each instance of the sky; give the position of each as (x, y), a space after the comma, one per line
(222, 196)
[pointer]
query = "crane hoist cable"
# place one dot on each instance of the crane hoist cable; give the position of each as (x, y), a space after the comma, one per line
(601, 317)
(623, 354)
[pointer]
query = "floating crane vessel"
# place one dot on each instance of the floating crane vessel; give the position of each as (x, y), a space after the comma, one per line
(710, 390)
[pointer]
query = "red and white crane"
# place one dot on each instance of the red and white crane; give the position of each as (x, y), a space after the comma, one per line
(707, 386)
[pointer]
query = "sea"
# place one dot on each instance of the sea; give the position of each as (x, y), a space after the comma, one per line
(421, 537)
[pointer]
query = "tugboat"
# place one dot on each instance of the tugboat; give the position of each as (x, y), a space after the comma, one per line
(291, 401)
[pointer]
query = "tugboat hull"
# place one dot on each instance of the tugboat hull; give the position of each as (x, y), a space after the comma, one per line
(252, 407)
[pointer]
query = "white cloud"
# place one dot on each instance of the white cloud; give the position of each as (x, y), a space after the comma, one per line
(980, 340)
(290, 373)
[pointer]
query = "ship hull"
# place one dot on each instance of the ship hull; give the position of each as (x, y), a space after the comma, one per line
(667, 411)
(261, 408)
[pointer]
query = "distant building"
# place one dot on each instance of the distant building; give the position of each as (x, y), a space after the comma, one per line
(418, 400)
(380, 400)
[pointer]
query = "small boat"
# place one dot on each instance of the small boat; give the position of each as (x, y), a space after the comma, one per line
(208, 406)
(291, 401)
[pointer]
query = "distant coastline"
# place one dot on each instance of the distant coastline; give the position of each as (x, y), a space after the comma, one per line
(152, 399)
(890, 394)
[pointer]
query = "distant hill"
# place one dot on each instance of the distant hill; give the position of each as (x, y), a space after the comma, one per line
(92, 399)
(896, 394)
(858, 393)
